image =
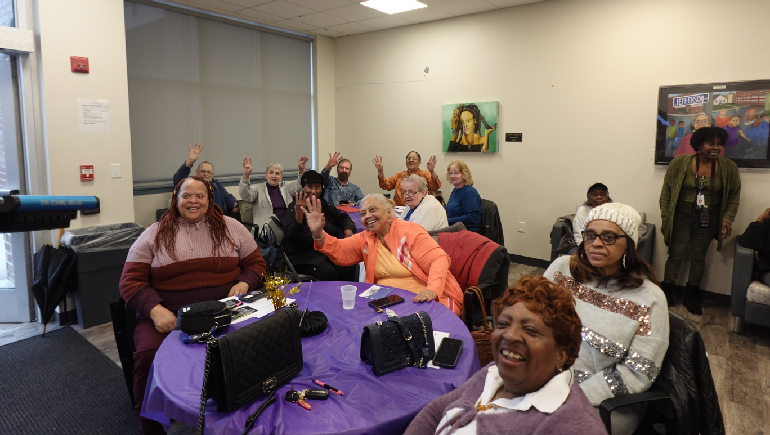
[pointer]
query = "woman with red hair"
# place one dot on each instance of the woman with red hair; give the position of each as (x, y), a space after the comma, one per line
(529, 385)
(193, 254)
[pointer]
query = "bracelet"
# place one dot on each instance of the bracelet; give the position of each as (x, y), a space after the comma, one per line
(321, 238)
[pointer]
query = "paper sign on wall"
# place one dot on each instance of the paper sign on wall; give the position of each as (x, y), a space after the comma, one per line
(93, 116)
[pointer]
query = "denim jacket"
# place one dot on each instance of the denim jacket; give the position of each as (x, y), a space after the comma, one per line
(334, 191)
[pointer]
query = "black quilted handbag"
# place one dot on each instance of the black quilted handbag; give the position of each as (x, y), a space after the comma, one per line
(250, 362)
(398, 342)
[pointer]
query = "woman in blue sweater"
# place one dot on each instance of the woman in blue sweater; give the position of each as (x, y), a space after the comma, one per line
(464, 203)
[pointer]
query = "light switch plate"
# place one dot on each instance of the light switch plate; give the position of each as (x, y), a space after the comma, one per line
(115, 170)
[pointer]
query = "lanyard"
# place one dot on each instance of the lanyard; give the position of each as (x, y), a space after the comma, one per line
(701, 184)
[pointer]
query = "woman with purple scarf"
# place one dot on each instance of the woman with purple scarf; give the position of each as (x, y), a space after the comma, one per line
(529, 387)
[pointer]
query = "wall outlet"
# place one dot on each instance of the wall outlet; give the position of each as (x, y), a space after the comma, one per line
(521, 227)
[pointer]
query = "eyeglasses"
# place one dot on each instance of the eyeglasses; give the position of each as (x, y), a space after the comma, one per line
(409, 193)
(606, 238)
(701, 122)
(206, 172)
(412, 159)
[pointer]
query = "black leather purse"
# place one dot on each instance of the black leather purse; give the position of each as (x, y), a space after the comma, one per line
(250, 362)
(398, 342)
(201, 317)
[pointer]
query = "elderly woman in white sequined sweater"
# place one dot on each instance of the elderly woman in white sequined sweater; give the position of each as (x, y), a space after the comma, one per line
(623, 311)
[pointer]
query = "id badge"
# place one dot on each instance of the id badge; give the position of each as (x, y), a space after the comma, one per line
(700, 200)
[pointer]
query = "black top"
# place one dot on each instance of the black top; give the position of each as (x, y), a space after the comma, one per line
(757, 237)
(458, 147)
(298, 241)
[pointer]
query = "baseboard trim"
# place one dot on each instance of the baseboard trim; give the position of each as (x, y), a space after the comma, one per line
(529, 261)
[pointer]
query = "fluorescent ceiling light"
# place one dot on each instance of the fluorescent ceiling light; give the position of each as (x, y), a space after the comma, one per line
(394, 6)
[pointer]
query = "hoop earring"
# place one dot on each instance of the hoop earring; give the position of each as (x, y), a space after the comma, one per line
(624, 261)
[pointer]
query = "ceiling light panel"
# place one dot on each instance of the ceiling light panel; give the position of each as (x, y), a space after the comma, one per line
(394, 6)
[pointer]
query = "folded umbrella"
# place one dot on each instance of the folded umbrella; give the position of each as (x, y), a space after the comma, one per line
(54, 277)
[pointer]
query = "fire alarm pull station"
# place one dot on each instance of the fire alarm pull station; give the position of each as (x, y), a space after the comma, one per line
(79, 64)
(86, 172)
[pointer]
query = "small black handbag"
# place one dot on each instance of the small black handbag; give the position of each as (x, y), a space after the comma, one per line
(250, 362)
(201, 317)
(398, 342)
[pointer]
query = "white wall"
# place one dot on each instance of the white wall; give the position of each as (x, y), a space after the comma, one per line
(92, 29)
(578, 79)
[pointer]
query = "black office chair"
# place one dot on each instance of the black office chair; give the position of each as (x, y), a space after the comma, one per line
(676, 387)
(123, 325)
(491, 226)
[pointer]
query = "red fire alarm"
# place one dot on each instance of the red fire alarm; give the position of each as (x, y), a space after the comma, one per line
(79, 64)
(86, 172)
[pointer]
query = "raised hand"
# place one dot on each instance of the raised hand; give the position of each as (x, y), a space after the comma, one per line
(247, 168)
(431, 163)
(334, 160)
(301, 164)
(195, 153)
(315, 217)
(378, 163)
(301, 199)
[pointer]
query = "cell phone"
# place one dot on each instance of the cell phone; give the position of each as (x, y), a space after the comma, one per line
(251, 297)
(379, 304)
(448, 353)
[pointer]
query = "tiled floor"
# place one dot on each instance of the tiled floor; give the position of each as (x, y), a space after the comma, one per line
(740, 364)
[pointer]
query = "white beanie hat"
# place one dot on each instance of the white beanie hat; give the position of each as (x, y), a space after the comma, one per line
(621, 215)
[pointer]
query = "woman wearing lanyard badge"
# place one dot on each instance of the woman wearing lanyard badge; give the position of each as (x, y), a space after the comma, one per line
(698, 203)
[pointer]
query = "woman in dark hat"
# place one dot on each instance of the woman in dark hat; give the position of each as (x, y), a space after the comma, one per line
(298, 241)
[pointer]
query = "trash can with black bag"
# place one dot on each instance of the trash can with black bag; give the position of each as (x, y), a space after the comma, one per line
(101, 253)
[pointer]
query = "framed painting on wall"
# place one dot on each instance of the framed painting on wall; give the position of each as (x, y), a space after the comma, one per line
(740, 108)
(470, 127)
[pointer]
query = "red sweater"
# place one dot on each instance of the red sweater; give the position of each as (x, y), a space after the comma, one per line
(152, 277)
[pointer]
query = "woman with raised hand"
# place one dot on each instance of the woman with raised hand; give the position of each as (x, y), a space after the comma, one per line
(413, 160)
(272, 197)
(396, 253)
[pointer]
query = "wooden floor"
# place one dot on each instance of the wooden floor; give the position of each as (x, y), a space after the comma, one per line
(740, 364)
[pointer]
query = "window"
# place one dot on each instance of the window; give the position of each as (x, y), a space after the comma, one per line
(237, 90)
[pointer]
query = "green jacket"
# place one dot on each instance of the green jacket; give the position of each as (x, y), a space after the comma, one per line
(672, 183)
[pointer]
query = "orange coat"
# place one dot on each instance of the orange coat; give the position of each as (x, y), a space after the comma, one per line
(415, 249)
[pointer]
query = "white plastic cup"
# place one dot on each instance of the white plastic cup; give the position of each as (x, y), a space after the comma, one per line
(348, 296)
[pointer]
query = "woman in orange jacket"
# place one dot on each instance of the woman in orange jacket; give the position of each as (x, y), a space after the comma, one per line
(396, 253)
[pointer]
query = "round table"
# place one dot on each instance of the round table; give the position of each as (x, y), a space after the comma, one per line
(371, 404)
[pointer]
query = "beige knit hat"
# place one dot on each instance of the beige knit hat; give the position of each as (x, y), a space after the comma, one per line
(621, 215)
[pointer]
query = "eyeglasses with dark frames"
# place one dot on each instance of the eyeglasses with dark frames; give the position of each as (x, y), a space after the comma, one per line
(606, 238)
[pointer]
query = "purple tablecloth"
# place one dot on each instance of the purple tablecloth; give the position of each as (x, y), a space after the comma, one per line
(371, 404)
(356, 217)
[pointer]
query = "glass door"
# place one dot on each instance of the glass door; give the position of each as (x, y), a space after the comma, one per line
(15, 299)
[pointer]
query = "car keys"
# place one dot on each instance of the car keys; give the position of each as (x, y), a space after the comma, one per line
(301, 397)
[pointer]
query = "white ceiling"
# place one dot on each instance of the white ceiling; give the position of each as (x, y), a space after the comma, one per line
(335, 18)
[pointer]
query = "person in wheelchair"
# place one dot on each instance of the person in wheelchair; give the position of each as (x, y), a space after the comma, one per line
(193, 254)
(298, 240)
(623, 311)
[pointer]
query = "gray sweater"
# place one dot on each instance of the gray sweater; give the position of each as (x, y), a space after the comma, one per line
(257, 194)
(575, 416)
(625, 334)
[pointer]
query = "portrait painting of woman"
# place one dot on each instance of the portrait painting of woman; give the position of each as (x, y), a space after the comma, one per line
(470, 127)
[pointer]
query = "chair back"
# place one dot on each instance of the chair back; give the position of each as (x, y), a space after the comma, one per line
(686, 377)
(123, 325)
(246, 209)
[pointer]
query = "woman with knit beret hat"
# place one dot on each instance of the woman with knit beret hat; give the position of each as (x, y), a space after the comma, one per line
(622, 309)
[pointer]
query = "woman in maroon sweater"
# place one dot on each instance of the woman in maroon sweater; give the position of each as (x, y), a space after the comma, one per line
(528, 389)
(193, 254)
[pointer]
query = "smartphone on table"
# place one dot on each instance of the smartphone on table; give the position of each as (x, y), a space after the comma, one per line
(379, 304)
(448, 353)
